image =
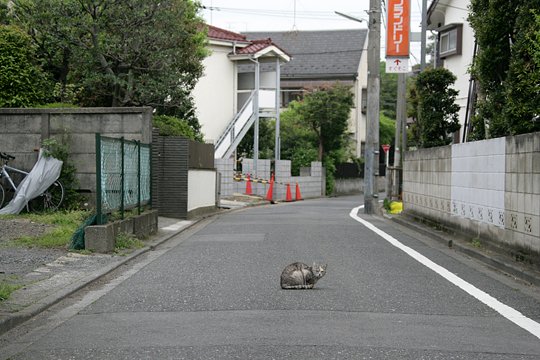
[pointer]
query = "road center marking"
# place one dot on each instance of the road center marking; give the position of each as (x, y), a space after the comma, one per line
(510, 313)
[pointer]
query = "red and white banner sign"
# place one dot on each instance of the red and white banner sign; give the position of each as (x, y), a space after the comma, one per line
(397, 33)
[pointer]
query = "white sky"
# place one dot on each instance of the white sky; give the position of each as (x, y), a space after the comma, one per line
(279, 15)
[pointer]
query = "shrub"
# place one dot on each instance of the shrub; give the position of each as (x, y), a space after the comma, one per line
(22, 81)
(173, 126)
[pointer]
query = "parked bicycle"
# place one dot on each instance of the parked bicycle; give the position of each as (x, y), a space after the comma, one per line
(50, 199)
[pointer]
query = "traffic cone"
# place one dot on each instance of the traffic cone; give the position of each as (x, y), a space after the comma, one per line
(249, 191)
(298, 194)
(288, 196)
(270, 193)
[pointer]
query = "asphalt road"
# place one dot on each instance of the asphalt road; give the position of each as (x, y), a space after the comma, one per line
(213, 293)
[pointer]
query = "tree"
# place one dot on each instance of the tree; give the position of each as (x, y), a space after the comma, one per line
(388, 92)
(505, 66)
(326, 110)
(22, 81)
(122, 53)
(437, 112)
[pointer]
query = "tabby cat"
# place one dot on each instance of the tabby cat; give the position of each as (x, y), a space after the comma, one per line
(300, 276)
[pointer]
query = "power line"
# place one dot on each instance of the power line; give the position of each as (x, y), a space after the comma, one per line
(314, 15)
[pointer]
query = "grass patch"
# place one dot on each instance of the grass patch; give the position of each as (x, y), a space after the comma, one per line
(64, 222)
(476, 243)
(6, 289)
(127, 242)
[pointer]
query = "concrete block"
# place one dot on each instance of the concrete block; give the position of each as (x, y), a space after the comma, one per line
(99, 238)
(535, 162)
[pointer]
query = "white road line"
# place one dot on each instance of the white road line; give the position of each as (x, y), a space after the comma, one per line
(511, 314)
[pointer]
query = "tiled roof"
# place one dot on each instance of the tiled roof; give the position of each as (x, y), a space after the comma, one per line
(255, 46)
(318, 54)
(222, 34)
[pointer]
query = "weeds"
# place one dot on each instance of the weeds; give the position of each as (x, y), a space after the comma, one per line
(6, 289)
(476, 243)
(125, 241)
(64, 225)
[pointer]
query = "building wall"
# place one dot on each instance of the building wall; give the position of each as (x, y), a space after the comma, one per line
(487, 189)
(459, 64)
(361, 118)
(23, 130)
(214, 94)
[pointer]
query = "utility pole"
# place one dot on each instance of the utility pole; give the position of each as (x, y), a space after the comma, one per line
(372, 126)
(423, 41)
(401, 120)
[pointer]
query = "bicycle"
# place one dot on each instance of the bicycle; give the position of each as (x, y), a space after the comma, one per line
(50, 199)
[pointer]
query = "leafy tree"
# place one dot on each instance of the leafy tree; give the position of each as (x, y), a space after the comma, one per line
(266, 141)
(387, 130)
(22, 81)
(326, 111)
(505, 66)
(173, 126)
(437, 112)
(122, 53)
(388, 92)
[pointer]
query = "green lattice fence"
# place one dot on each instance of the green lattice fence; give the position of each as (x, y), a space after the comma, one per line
(122, 176)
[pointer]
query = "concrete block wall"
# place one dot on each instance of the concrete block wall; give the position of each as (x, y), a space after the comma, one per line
(487, 189)
(310, 186)
(23, 130)
(522, 191)
(225, 167)
(427, 182)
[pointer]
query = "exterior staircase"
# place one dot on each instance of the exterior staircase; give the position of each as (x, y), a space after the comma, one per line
(236, 130)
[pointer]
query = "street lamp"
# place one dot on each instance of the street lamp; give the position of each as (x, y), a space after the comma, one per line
(372, 124)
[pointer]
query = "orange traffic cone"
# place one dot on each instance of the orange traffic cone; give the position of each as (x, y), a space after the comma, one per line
(249, 191)
(270, 193)
(298, 194)
(288, 196)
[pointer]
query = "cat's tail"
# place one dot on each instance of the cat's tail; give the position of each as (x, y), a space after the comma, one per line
(293, 287)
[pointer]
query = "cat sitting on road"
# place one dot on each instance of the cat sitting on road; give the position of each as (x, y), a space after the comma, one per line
(300, 276)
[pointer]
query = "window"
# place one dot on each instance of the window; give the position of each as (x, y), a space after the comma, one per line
(450, 40)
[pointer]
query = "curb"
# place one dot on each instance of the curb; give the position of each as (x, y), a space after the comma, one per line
(495, 259)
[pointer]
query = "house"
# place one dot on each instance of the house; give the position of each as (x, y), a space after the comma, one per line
(240, 85)
(455, 48)
(325, 57)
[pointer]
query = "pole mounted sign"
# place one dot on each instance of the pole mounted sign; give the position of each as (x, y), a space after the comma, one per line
(397, 36)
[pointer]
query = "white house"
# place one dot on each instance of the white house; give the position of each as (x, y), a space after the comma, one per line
(455, 48)
(322, 57)
(240, 84)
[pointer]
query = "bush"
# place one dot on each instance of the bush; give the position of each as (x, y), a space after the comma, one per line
(60, 151)
(22, 81)
(173, 126)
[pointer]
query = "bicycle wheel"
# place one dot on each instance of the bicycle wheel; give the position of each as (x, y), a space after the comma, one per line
(50, 200)
(2, 196)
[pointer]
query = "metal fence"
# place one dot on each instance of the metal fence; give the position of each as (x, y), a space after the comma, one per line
(123, 176)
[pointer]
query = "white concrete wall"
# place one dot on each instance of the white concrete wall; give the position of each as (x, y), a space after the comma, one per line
(478, 181)
(201, 189)
(214, 94)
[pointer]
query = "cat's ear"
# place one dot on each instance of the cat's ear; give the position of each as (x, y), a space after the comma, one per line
(324, 267)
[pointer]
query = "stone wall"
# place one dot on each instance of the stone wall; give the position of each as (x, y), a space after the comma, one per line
(23, 130)
(488, 190)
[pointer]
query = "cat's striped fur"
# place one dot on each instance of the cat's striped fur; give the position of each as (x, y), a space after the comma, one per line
(301, 276)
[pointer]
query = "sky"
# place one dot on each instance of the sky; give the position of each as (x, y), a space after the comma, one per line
(280, 15)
